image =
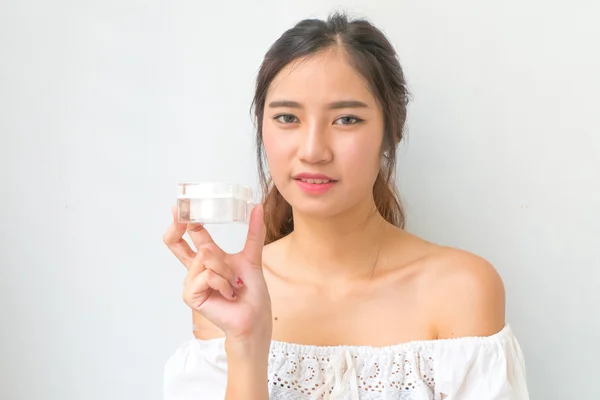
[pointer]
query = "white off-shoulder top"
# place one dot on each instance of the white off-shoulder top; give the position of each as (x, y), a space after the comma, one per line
(469, 368)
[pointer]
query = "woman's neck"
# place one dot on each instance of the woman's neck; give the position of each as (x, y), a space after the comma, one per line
(345, 245)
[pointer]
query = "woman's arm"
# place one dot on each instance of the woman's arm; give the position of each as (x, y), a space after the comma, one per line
(247, 364)
(230, 292)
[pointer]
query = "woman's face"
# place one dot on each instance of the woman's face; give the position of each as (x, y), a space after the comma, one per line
(322, 133)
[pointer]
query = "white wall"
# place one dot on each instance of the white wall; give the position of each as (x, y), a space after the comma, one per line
(105, 105)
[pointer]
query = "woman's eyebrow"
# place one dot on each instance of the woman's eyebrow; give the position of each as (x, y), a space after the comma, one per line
(285, 103)
(347, 104)
(332, 106)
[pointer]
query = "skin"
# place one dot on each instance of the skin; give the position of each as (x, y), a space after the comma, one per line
(344, 264)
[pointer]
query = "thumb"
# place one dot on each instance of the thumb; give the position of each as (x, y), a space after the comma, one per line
(255, 241)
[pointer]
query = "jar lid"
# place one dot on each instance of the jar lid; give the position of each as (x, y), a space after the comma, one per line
(214, 190)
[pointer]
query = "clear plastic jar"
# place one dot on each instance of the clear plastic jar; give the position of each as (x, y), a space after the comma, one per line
(213, 203)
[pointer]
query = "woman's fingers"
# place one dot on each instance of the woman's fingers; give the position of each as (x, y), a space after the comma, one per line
(195, 293)
(220, 284)
(199, 235)
(207, 259)
(255, 241)
(173, 238)
(207, 269)
(223, 270)
(197, 265)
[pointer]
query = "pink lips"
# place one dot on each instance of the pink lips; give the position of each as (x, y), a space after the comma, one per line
(313, 183)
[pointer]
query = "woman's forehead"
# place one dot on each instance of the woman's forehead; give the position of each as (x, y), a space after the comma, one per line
(322, 78)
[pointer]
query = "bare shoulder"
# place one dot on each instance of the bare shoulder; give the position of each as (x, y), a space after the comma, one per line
(467, 293)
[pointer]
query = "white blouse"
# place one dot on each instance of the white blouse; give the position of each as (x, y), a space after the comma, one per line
(470, 368)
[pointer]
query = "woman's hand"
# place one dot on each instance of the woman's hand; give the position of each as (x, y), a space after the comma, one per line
(227, 289)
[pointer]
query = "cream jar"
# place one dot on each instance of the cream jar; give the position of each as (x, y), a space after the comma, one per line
(213, 202)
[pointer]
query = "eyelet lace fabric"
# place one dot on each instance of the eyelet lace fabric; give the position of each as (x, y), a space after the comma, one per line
(473, 368)
(353, 373)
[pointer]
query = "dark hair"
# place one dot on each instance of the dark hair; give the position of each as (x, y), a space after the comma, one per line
(373, 56)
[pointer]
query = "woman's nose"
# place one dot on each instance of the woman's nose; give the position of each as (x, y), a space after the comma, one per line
(315, 146)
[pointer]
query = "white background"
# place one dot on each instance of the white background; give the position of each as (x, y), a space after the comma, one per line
(105, 105)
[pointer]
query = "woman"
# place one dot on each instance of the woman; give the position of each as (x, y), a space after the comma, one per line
(341, 302)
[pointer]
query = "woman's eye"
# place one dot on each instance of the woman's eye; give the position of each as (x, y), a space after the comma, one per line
(347, 120)
(286, 119)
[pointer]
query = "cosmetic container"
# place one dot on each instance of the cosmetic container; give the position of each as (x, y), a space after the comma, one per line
(213, 203)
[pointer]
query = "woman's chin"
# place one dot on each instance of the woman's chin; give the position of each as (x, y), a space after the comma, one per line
(312, 211)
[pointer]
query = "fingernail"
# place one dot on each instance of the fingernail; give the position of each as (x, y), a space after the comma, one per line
(239, 282)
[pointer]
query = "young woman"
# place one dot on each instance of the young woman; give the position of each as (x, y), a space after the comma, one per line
(341, 303)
